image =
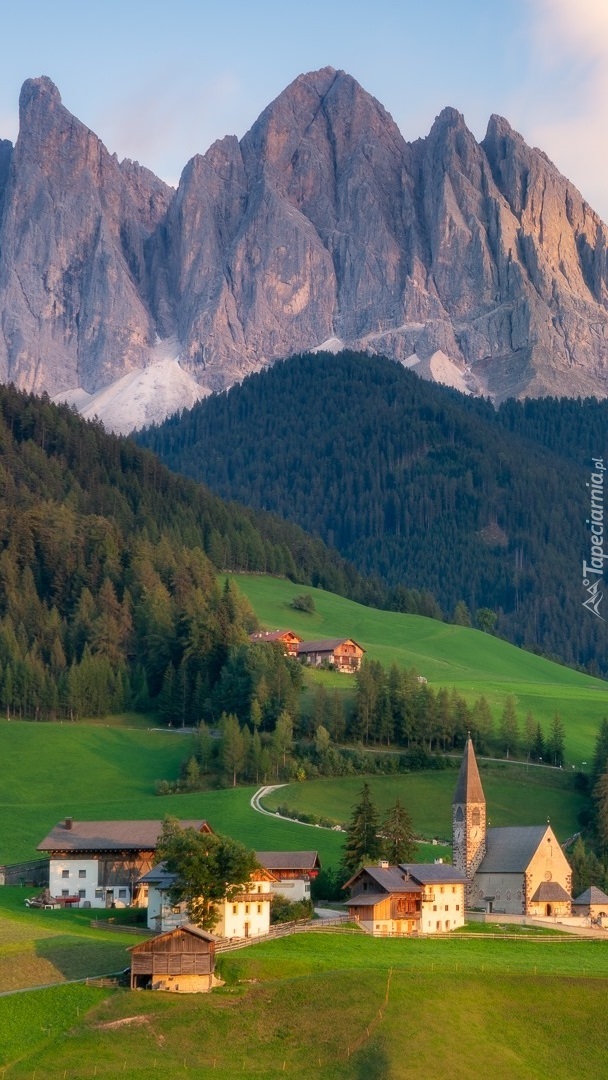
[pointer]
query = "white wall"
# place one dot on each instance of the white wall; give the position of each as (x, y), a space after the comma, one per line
(445, 911)
(80, 877)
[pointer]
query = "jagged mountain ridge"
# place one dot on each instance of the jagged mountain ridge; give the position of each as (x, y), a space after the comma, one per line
(478, 264)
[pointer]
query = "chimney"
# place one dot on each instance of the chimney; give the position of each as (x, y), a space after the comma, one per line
(437, 861)
(383, 864)
(68, 823)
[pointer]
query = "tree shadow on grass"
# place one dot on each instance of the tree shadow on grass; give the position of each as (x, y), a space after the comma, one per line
(372, 1061)
(79, 958)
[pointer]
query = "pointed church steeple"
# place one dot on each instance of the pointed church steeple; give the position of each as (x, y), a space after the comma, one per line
(468, 788)
(468, 818)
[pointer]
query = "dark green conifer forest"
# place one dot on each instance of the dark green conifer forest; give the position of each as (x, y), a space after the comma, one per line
(109, 597)
(463, 511)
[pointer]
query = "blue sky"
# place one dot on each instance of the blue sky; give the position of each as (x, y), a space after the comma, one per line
(158, 82)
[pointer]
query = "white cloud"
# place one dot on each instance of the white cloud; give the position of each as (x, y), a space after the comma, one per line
(570, 123)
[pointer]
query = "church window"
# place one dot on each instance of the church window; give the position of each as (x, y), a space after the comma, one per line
(459, 814)
(508, 894)
(475, 817)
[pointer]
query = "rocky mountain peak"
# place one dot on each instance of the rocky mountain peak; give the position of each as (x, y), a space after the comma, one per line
(474, 263)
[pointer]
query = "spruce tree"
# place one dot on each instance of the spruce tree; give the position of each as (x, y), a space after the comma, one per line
(363, 844)
(398, 843)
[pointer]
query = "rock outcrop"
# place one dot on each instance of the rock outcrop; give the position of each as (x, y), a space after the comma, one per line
(474, 262)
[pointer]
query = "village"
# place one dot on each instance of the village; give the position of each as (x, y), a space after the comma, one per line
(516, 874)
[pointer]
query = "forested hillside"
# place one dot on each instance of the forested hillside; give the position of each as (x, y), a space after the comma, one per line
(418, 484)
(108, 591)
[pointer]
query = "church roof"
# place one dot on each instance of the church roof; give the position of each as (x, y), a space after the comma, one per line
(468, 787)
(510, 850)
(549, 892)
(592, 895)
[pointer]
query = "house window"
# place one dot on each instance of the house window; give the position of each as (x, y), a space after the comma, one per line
(259, 909)
(447, 907)
(259, 888)
(235, 908)
(65, 892)
(65, 873)
(122, 893)
(82, 893)
(434, 907)
(438, 925)
(98, 894)
(441, 889)
(457, 907)
(246, 909)
(453, 888)
(82, 873)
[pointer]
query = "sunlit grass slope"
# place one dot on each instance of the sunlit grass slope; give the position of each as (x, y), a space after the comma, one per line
(50, 770)
(335, 1008)
(473, 662)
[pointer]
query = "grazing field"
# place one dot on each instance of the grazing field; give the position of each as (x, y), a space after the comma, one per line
(520, 799)
(473, 662)
(42, 947)
(50, 770)
(335, 1007)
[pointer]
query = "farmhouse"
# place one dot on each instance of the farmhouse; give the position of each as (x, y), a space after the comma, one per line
(412, 898)
(514, 870)
(181, 961)
(292, 871)
(244, 915)
(99, 863)
(344, 654)
(286, 638)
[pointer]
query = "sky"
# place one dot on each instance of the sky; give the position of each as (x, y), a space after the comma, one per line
(159, 82)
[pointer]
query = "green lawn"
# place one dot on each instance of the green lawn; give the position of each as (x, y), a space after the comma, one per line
(511, 800)
(473, 662)
(50, 770)
(335, 1007)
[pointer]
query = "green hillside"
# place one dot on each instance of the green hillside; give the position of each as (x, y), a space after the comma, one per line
(447, 655)
(335, 1008)
(91, 772)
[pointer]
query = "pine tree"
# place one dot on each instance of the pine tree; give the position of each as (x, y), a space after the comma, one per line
(398, 842)
(363, 843)
(509, 729)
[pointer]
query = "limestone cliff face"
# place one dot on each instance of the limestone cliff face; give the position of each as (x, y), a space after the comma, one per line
(322, 225)
(72, 308)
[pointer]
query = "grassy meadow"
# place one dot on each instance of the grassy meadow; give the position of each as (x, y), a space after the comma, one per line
(518, 799)
(334, 1007)
(473, 662)
(92, 772)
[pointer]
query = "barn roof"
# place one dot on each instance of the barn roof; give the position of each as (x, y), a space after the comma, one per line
(510, 850)
(389, 878)
(71, 835)
(288, 860)
(273, 635)
(185, 928)
(326, 644)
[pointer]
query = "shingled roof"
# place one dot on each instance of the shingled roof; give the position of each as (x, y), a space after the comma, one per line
(468, 786)
(592, 895)
(289, 860)
(325, 644)
(434, 873)
(510, 850)
(71, 835)
(549, 892)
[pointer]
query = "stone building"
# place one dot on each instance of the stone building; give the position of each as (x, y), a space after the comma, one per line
(519, 870)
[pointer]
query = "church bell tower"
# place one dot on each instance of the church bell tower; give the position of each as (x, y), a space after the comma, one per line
(468, 817)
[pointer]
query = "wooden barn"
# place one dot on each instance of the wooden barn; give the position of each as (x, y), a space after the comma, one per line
(343, 654)
(286, 638)
(181, 961)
